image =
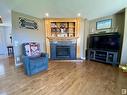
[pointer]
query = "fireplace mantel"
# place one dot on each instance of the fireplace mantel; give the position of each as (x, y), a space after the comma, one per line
(62, 38)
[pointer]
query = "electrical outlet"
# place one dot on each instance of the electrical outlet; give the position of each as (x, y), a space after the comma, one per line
(18, 59)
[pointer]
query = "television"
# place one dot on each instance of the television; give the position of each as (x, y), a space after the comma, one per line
(110, 42)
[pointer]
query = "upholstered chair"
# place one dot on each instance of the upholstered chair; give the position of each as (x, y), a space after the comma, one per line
(34, 61)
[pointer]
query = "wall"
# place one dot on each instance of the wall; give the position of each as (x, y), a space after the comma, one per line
(117, 22)
(86, 34)
(8, 34)
(5, 41)
(84, 31)
(3, 49)
(124, 47)
(21, 35)
(5, 27)
(81, 37)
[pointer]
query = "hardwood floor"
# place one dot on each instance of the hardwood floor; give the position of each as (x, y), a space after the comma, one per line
(63, 78)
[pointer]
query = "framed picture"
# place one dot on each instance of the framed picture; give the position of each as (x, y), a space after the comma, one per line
(27, 23)
(104, 24)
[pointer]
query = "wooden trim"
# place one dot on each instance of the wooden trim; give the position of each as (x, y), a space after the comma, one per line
(62, 38)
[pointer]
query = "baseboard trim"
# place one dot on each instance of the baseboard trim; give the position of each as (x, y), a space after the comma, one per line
(76, 60)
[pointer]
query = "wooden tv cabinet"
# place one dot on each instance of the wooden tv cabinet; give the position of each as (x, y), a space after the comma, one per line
(103, 56)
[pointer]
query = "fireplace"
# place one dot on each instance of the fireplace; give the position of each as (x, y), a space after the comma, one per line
(63, 50)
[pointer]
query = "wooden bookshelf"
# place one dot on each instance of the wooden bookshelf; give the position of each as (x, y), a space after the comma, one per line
(62, 29)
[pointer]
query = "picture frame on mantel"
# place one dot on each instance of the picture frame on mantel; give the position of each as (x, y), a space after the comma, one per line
(104, 24)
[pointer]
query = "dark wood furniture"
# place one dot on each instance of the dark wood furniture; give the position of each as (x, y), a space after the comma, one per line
(10, 50)
(103, 56)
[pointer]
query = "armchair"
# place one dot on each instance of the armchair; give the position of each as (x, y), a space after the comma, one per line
(34, 61)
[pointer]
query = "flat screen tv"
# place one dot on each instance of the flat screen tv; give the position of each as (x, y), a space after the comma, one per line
(105, 42)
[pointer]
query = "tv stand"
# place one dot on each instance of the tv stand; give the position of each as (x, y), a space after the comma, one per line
(103, 56)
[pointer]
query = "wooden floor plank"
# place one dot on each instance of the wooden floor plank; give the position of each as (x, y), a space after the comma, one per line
(62, 78)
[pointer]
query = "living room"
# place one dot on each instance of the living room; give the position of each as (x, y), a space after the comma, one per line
(53, 49)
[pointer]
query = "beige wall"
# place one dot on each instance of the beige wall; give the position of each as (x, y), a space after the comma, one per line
(117, 22)
(81, 38)
(21, 35)
(124, 47)
(84, 31)
(86, 34)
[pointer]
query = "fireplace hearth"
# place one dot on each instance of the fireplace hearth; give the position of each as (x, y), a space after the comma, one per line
(63, 50)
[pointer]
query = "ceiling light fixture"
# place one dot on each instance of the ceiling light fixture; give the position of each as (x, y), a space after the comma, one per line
(78, 14)
(46, 14)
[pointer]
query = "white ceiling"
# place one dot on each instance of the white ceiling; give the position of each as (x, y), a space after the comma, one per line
(89, 9)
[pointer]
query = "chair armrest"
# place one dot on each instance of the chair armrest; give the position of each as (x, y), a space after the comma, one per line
(44, 55)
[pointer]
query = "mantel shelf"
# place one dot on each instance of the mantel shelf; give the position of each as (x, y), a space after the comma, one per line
(62, 38)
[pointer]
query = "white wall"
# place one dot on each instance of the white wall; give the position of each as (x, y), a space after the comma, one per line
(81, 38)
(3, 49)
(7, 30)
(86, 34)
(84, 31)
(124, 47)
(5, 27)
